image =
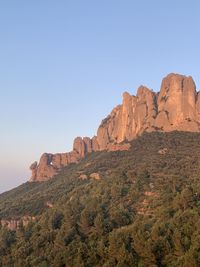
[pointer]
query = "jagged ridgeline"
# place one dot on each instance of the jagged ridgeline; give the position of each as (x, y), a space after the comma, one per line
(175, 107)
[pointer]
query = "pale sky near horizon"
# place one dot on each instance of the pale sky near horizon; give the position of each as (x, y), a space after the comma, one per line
(65, 64)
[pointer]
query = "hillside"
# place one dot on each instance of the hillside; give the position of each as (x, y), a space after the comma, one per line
(143, 211)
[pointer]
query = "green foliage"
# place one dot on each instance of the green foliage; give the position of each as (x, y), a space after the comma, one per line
(145, 211)
(7, 238)
(57, 220)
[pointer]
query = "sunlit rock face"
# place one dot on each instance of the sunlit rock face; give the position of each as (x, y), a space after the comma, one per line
(175, 107)
(177, 103)
(126, 121)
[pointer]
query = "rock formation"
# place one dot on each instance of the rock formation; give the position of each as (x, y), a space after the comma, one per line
(50, 164)
(175, 107)
(14, 224)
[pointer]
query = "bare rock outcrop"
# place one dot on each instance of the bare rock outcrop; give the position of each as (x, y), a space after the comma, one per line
(126, 121)
(50, 164)
(95, 176)
(44, 170)
(175, 107)
(14, 224)
(177, 104)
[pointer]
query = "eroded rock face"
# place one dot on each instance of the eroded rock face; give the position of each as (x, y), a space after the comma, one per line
(50, 164)
(126, 121)
(175, 107)
(44, 170)
(14, 224)
(177, 104)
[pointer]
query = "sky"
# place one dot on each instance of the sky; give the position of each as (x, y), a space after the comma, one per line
(64, 65)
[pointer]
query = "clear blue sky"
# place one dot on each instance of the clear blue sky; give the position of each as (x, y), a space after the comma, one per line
(64, 65)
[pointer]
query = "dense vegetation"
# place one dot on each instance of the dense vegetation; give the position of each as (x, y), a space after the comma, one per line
(144, 211)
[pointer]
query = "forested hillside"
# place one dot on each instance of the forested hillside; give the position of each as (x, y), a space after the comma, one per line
(143, 211)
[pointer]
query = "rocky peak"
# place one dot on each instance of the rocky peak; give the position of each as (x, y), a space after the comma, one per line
(177, 103)
(126, 98)
(175, 107)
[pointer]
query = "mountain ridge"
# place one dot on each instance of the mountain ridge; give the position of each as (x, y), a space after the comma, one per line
(175, 107)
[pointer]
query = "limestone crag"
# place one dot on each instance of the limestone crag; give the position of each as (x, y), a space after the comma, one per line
(50, 164)
(126, 121)
(175, 107)
(177, 103)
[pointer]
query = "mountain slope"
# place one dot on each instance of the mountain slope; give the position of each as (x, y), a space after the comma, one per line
(144, 211)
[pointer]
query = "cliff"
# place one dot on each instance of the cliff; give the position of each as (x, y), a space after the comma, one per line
(175, 107)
